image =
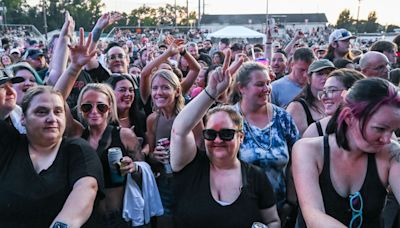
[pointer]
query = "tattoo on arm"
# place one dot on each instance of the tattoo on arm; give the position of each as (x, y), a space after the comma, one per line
(96, 34)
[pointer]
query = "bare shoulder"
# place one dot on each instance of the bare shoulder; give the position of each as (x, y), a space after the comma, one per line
(308, 150)
(294, 106)
(152, 117)
(394, 151)
(127, 133)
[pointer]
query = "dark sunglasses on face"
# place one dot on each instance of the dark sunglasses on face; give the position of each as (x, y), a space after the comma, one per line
(102, 108)
(224, 134)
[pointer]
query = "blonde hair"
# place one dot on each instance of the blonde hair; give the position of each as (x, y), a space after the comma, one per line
(101, 88)
(173, 80)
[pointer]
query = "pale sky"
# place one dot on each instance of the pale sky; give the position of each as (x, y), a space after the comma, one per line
(387, 10)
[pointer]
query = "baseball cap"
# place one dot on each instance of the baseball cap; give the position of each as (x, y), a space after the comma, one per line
(340, 34)
(320, 64)
(15, 50)
(6, 76)
(33, 53)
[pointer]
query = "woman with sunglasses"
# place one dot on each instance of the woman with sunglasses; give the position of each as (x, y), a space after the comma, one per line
(226, 192)
(269, 131)
(98, 110)
(331, 96)
(306, 108)
(46, 180)
(342, 180)
(115, 146)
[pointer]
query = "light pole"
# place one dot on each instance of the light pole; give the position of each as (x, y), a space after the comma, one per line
(266, 17)
(358, 15)
(45, 19)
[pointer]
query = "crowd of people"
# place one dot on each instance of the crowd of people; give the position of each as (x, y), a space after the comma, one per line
(176, 132)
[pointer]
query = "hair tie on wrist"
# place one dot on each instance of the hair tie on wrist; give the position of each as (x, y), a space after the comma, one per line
(209, 95)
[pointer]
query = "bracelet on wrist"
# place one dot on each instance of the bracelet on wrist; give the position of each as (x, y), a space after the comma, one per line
(182, 53)
(209, 95)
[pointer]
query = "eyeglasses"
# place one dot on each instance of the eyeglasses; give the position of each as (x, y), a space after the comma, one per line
(356, 205)
(224, 134)
(328, 93)
(102, 108)
(117, 56)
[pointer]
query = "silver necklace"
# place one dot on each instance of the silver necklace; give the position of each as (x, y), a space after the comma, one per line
(252, 135)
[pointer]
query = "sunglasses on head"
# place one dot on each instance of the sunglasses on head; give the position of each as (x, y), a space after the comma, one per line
(102, 108)
(224, 134)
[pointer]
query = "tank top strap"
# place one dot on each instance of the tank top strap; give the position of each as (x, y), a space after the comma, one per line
(325, 173)
(303, 103)
(319, 128)
(116, 136)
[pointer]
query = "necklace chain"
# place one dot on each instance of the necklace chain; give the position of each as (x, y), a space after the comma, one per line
(252, 135)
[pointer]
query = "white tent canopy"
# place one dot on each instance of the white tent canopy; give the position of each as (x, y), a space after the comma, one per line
(238, 33)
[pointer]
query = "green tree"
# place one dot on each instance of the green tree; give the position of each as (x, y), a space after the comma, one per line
(371, 24)
(345, 20)
(391, 28)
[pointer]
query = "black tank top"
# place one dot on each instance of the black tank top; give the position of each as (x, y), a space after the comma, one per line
(372, 191)
(103, 152)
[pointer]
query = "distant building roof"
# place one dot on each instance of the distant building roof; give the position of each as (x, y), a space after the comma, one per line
(260, 18)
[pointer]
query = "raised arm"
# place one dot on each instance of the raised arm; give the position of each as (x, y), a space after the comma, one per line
(183, 145)
(61, 52)
(79, 205)
(102, 23)
(81, 53)
(289, 47)
(145, 76)
(194, 69)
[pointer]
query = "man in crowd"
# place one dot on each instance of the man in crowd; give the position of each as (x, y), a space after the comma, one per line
(36, 59)
(339, 45)
(388, 48)
(288, 87)
(279, 63)
(375, 64)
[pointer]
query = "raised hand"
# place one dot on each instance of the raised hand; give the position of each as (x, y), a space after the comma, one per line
(220, 78)
(175, 46)
(82, 52)
(108, 19)
(68, 26)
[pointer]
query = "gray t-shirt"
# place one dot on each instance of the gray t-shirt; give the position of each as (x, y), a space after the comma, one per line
(284, 91)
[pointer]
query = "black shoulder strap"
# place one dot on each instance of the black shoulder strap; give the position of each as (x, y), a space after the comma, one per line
(319, 128)
(104, 139)
(326, 151)
(303, 103)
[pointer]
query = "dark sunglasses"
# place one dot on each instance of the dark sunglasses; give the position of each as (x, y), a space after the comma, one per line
(102, 108)
(224, 134)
